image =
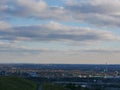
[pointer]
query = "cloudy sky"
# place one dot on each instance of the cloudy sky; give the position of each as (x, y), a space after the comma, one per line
(60, 31)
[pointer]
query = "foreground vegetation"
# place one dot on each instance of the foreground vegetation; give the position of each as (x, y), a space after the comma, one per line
(48, 86)
(14, 83)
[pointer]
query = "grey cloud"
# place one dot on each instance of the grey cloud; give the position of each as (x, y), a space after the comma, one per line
(56, 32)
(16, 47)
(97, 12)
(101, 51)
(95, 6)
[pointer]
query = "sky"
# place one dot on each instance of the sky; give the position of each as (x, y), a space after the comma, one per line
(60, 31)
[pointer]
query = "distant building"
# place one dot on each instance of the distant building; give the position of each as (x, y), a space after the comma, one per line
(2, 73)
(33, 74)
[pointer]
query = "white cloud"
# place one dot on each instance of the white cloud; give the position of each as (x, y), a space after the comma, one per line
(5, 25)
(32, 6)
(96, 12)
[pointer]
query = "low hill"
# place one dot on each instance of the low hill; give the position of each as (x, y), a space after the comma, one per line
(14, 83)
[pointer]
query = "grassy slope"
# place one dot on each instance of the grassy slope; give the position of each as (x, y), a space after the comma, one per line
(12, 83)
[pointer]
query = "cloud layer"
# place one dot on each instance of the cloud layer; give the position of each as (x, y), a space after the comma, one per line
(103, 13)
(80, 42)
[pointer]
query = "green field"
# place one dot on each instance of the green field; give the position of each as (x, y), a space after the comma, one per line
(14, 83)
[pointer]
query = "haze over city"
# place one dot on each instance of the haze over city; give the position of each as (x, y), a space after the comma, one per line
(60, 31)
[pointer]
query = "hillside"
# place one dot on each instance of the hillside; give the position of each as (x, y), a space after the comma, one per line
(14, 83)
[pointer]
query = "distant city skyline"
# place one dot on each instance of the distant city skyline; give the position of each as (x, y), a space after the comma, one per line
(60, 31)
